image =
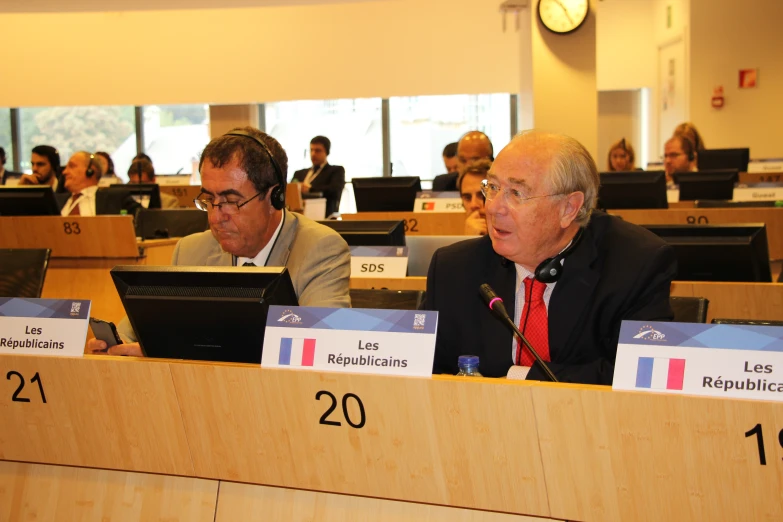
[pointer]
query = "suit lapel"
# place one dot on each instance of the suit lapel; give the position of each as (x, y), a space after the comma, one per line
(572, 294)
(496, 336)
(218, 257)
(282, 247)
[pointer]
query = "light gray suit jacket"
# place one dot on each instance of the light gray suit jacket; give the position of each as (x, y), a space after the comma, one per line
(317, 258)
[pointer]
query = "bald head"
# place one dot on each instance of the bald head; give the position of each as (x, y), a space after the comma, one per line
(473, 146)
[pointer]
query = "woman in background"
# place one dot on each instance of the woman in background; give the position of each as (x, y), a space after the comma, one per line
(621, 157)
(690, 131)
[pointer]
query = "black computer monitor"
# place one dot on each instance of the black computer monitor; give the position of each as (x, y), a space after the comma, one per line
(706, 184)
(719, 203)
(204, 313)
(37, 200)
(176, 222)
(718, 252)
(637, 189)
(116, 198)
(22, 271)
(722, 159)
(369, 233)
(392, 194)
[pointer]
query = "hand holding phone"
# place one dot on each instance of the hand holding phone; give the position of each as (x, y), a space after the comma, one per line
(105, 331)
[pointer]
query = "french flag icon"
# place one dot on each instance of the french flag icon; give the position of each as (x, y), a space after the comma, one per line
(296, 352)
(659, 373)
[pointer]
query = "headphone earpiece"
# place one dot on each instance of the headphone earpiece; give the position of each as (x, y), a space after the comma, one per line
(90, 171)
(691, 156)
(550, 270)
(277, 195)
(622, 145)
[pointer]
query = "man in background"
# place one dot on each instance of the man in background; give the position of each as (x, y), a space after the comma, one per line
(472, 146)
(45, 161)
(80, 178)
(469, 185)
(327, 179)
(6, 173)
(679, 155)
(142, 171)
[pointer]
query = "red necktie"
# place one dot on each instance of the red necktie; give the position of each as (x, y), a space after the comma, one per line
(75, 210)
(533, 323)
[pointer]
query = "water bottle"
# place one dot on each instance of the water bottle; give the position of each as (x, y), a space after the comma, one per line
(468, 366)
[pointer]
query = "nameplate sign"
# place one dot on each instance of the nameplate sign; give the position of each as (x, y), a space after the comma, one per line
(55, 327)
(351, 340)
(438, 202)
(716, 360)
(380, 261)
(759, 192)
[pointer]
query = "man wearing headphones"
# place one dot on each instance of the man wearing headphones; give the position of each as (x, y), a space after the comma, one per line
(679, 155)
(322, 177)
(472, 146)
(45, 161)
(568, 274)
(80, 178)
(243, 191)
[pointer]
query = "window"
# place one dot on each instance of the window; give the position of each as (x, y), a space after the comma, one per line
(421, 126)
(69, 129)
(5, 138)
(174, 137)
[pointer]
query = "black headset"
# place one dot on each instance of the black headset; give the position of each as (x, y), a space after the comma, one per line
(550, 270)
(90, 171)
(277, 196)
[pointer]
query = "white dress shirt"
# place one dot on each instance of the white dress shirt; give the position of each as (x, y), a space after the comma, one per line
(262, 257)
(86, 202)
(312, 173)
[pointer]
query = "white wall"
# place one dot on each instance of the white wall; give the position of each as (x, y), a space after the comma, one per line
(727, 36)
(244, 55)
(619, 116)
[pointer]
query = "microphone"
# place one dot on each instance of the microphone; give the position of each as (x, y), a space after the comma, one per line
(495, 304)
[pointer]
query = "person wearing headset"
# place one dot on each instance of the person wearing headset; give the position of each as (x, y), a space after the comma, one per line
(469, 186)
(568, 274)
(45, 161)
(80, 178)
(243, 178)
(679, 155)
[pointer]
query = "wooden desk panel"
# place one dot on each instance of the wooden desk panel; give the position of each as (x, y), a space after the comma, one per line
(395, 283)
(101, 412)
(618, 456)
(250, 503)
(762, 301)
(435, 441)
(773, 217)
(419, 223)
(49, 493)
(185, 194)
(74, 236)
(760, 177)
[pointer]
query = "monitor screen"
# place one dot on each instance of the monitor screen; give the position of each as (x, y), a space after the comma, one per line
(736, 252)
(36, 200)
(131, 198)
(719, 159)
(639, 189)
(202, 313)
(388, 194)
(706, 184)
(179, 222)
(22, 271)
(369, 233)
(719, 203)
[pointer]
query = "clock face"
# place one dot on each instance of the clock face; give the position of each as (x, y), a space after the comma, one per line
(563, 16)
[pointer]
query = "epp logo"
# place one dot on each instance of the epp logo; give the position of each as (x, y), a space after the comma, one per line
(290, 318)
(648, 333)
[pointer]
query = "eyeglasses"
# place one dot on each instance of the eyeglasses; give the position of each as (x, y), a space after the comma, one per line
(673, 155)
(513, 196)
(227, 207)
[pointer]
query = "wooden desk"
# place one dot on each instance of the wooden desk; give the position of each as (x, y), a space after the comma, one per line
(772, 217)
(760, 177)
(419, 223)
(185, 194)
(479, 448)
(81, 260)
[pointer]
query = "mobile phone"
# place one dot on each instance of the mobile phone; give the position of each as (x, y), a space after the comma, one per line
(105, 331)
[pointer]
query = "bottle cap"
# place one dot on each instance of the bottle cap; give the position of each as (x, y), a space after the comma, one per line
(468, 360)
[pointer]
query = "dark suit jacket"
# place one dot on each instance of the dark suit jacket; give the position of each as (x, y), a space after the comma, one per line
(330, 181)
(618, 271)
(445, 182)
